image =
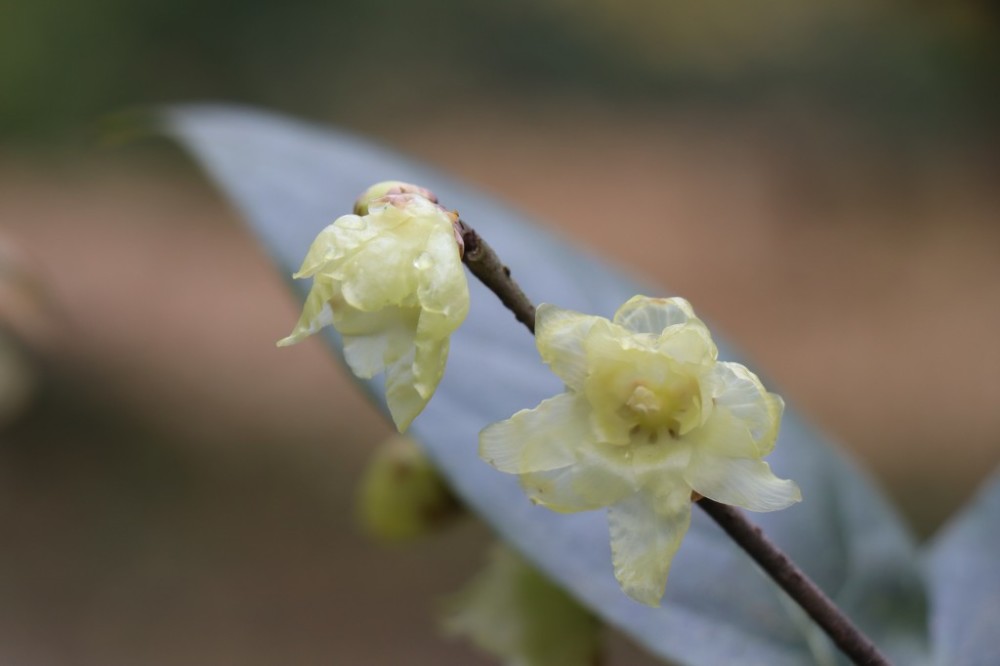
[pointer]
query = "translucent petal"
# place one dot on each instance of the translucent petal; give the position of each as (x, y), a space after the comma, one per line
(642, 314)
(690, 343)
(345, 235)
(644, 539)
(401, 395)
(560, 336)
(539, 439)
(428, 364)
(442, 288)
(351, 321)
(365, 355)
(597, 479)
(723, 434)
(392, 212)
(744, 482)
(741, 392)
(315, 315)
(613, 368)
(380, 273)
(658, 467)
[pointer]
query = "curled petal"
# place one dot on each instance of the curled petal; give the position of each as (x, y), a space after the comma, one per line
(690, 344)
(560, 335)
(741, 392)
(438, 290)
(339, 239)
(377, 275)
(644, 538)
(744, 482)
(539, 439)
(316, 313)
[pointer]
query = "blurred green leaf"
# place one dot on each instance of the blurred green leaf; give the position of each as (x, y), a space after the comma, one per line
(963, 565)
(291, 179)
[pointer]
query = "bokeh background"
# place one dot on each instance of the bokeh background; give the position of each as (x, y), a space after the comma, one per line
(819, 179)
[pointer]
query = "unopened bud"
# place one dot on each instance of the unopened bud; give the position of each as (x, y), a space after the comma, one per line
(402, 496)
(387, 187)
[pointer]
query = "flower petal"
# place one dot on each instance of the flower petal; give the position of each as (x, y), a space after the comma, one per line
(741, 392)
(585, 486)
(401, 395)
(601, 475)
(723, 434)
(428, 364)
(560, 335)
(374, 340)
(441, 285)
(744, 482)
(642, 314)
(346, 234)
(644, 539)
(380, 273)
(315, 315)
(539, 439)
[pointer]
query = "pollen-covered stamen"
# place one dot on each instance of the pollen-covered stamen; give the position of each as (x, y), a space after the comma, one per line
(643, 401)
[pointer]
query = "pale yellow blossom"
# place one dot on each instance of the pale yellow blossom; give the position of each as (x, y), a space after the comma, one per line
(513, 612)
(648, 417)
(392, 283)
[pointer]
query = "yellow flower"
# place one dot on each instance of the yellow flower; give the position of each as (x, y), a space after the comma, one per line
(391, 282)
(513, 612)
(649, 416)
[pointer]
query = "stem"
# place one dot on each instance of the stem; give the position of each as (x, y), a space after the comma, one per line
(794, 581)
(484, 263)
(487, 267)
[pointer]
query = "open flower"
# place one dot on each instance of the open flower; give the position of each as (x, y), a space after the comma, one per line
(649, 417)
(391, 282)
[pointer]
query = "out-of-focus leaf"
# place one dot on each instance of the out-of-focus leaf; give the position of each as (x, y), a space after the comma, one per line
(963, 570)
(291, 179)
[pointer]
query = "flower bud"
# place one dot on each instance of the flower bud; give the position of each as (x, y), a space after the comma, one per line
(387, 187)
(402, 496)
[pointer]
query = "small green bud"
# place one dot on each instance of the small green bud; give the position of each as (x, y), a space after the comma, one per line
(402, 496)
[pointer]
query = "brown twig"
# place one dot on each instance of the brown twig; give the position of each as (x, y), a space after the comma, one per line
(484, 263)
(794, 581)
(487, 267)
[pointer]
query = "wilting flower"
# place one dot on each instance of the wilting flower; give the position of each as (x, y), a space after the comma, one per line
(402, 495)
(391, 282)
(513, 612)
(649, 417)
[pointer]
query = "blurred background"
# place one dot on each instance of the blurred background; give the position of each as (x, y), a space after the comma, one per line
(819, 179)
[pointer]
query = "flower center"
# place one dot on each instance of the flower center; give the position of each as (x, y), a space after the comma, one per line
(666, 409)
